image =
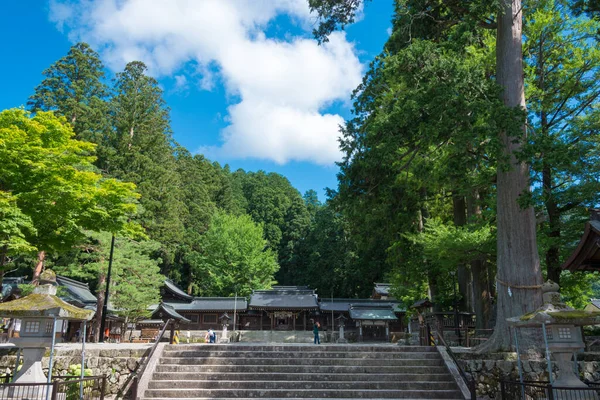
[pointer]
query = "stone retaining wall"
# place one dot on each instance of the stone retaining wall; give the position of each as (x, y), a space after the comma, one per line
(489, 369)
(116, 363)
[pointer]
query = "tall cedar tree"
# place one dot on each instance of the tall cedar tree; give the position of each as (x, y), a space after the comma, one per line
(517, 257)
(144, 154)
(73, 87)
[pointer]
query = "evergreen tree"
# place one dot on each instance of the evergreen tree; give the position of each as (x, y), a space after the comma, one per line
(73, 87)
(135, 275)
(143, 153)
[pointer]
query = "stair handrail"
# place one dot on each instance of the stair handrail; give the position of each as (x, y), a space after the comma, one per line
(141, 366)
(470, 382)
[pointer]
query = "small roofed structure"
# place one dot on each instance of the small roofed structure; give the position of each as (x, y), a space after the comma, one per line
(170, 292)
(333, 308)
(165, 312)
(161, 314)
(202, 313)
(586, 256)
(284, 305)
(422, 304)
(373, 315)
(39, 312)
(382, 291)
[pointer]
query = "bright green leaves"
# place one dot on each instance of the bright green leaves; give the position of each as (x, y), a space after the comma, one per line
(235, 258)
(448, 246)
(15, 226)
(51, 179)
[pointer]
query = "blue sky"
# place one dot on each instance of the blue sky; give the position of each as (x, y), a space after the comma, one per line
(246, 83)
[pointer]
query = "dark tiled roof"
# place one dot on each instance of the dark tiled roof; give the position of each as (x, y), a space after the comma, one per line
(173, 288)
(382, 289)
(372, 313)
(77, 291)
(422, 303)
(279, 299)
(212, 304)
(596, 303)
(291, 288)
(165, 311)
(11, 283)
(344, 305)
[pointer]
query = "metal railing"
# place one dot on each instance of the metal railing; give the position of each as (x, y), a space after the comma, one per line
(468, 380)
(510, 390)
(63, 388)
(132, 382)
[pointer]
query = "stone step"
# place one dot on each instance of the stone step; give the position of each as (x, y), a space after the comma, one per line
(277, 398)
(321, 369)
(299, 354)
(307, 393)
(381, 348)
(282, 376)
(301, 361)
(302, 385)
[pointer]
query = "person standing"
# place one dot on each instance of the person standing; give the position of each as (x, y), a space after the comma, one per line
(316, 332)
(210, 336)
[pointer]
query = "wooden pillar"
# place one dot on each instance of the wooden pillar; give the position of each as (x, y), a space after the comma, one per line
(294, 322)
(304, 317)
(261, 319)
(272, 315)
(172, 333)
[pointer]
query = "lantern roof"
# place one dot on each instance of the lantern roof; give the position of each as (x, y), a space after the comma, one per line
(44, 303)
(554, 312)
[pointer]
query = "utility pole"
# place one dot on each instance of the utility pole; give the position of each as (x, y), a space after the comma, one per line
(105, 307)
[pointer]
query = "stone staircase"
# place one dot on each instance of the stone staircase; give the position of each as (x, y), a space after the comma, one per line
(300, 371)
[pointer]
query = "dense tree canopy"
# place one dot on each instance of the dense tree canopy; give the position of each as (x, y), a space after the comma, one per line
(50, 188)
(235, 257)
(461, 159)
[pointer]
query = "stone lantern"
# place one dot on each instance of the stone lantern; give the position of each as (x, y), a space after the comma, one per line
(562, 334)
(225, 318)
(38, 313)
(341, 323)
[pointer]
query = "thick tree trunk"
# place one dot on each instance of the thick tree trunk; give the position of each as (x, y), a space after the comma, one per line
(481, 303)
(519, 277)
(481, 293)
(99, 306)
(459, 207)
(39, 267)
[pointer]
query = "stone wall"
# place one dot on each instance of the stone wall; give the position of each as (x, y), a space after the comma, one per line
(115, 361)
(489, 369)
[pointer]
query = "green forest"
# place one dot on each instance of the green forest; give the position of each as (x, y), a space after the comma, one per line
(430, 152)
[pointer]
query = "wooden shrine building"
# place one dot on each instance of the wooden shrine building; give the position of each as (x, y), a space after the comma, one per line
(283, 308)
(586, 256)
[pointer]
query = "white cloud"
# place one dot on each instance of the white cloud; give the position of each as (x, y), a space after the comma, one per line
(181, 83)
(283, 85)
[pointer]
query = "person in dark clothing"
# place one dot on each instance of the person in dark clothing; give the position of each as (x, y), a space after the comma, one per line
(316, 332)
